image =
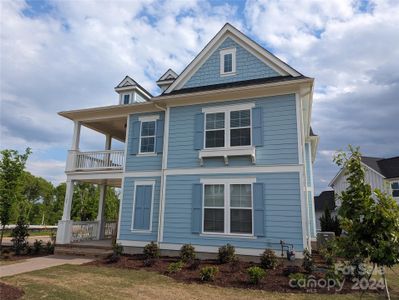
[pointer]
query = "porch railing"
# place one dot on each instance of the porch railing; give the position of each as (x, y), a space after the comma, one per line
(95, 160)
(110, 229)
(84, 231)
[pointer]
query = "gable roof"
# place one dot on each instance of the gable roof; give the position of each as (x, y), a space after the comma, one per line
(168, 75)
(128, 83)
(388, 167)
(250, 45)
(324, 200)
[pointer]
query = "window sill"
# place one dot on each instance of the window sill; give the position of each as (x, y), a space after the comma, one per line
(228, 235)
(228, 74)
(147, 154)
(141, 231)
(227, 152)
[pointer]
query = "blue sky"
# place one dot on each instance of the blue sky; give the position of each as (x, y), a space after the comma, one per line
(61, 55)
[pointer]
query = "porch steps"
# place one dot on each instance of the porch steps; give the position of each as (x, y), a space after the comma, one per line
(91, 251)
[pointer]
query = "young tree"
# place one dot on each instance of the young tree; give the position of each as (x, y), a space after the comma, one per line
(371, 224)
(12, 165)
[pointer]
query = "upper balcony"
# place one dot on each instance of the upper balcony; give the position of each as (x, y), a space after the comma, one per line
(95, 160)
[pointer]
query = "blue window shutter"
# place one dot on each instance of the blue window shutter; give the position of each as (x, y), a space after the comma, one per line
(259, 208)
(257, 127)
(142, 207)
(199, 131)
(159, 141)
(135, 137)
(196, 215)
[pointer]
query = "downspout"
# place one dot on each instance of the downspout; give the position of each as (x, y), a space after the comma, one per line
(163, 173)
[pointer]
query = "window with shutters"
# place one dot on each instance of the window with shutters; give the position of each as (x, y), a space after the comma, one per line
(142, 205)
(228, 207)
(148, 129)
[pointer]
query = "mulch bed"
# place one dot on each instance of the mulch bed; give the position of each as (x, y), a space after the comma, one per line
(8, 292)
(230, 275)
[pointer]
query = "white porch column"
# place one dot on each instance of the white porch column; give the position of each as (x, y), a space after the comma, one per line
(101, 211)
(108, 141)
(64, 230)
(76, 135)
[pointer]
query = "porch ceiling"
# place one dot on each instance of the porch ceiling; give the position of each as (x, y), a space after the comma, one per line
(116, 127)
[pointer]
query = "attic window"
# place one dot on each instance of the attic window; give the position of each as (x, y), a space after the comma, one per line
(228, 61)
(126, 99)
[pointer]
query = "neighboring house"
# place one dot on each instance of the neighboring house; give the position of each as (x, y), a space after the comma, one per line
(381, 173)
(223, 155)
(321, 202)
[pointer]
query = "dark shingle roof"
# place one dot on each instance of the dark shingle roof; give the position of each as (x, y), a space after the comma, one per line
(388, 167)
(234, 84)
(325, 199)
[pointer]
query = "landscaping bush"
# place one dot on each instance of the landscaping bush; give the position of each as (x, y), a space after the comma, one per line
(151, 251)
(37, 246)
(256, 274)
(208, 273)
(117, 250)
(329, 253)
(268, 260)
(175, 267)
(307, 261)
(19, 236)
(187, 253)
(298, 280)
(49, 248)
(226, 254)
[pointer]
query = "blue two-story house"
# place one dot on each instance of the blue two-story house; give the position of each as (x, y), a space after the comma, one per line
(223, 155)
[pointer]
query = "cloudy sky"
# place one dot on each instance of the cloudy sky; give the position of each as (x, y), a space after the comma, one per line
(61, 55)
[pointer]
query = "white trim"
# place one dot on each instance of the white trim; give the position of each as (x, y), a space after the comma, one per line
(146, 154)
(143, 183)
(224, 52)
(227, 182)
(299, 122)
(148, 118)
(163, 177)
(142, 174)
(132, 243)
(226, 152)
(228, 108)
(304, 211)
(233, 170)
(96, 175)
(237, 36)
(120, 209)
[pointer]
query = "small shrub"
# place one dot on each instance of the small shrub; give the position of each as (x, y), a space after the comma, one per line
(235, 264)
(117, 250)
(208, 273)
(226, 254)
(187, 253)
(268, 260)
(256, 274)
(151, 251)
(194, 265)
(19, 236)
(37, 246)
(49, 248)
(175, 267)
(307, 261)
(287, 271)
(298, 280)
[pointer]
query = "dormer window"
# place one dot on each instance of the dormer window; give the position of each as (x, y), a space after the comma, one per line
(126, 99)
(228, 61)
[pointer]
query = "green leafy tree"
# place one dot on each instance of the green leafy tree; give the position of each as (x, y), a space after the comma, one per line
(19, 236)
(371, 224)
(12, 165)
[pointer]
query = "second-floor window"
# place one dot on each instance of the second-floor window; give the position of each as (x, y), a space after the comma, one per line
(147, 139)
(228, 129)
(395, 189)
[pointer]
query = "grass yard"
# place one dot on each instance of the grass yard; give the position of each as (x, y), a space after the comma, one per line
(92, 282)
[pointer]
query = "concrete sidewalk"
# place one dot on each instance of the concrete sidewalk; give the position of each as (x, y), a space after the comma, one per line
(38, 263)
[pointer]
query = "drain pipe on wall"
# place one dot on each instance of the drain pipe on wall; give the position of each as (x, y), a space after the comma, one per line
(163, 171)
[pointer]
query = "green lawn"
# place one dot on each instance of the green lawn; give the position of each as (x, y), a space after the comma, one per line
(91, 282)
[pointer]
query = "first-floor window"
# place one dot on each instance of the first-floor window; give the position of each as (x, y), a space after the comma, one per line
(147, 140)
(395, 189)
(228, 208)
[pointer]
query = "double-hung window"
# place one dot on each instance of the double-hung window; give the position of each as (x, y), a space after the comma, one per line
(395, 189)
(227, 129)
(228, 208)
(147, 139)
(228, 61)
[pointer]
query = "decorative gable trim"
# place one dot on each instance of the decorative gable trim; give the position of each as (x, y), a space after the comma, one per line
(168, 75)
(129, 84)
(241, 39)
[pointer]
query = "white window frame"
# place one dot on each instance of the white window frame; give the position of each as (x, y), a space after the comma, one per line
(143, 119)
(392, 189)
(143, 183)
(223, 52)
(227, 182)
(226, 110)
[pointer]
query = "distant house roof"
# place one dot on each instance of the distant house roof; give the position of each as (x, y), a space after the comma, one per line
(388, 167)
(324, 200)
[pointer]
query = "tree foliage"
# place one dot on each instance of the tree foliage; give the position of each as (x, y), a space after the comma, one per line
(369, 218)
(330, 223)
